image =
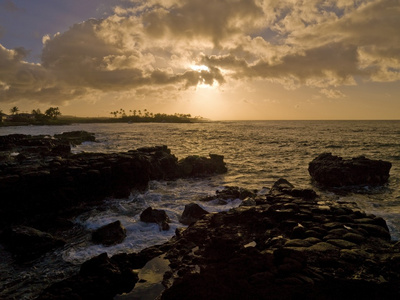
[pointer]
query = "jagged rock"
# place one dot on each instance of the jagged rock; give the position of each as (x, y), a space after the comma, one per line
(30, 183)
(230, 193)
(76, 137)
(102, 277)
(332, 171)
(155, 149)
(288, 247)
(282, 186)
(111, 234)
(248, 202)
(159, 216)
(99, 278)
(29, 243)
(197, 166)
(192, 213)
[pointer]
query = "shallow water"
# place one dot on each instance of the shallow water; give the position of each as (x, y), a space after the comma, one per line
(257, 153)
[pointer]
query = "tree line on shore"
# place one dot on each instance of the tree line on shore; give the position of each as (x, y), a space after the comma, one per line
(35, 117)
(50, 117)
(147, 116)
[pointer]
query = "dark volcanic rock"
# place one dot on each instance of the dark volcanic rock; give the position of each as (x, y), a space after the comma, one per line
(29, 243)
(44, 145)
(45, 180)
(102, 277)
(111, 234)
(197, 166)
(76, 137)
(230, 193)
(157, 216)
(282, 186)
(192, 213)
(333, 171)
(286, 248)
(261, 253)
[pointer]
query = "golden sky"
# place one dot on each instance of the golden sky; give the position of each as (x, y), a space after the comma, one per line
(221, 59)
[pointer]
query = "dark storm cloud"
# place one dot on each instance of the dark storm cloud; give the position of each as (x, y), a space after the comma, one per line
(156, 43)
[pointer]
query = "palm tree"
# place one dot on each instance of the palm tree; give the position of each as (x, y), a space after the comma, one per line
(36, 112)
(14, 110)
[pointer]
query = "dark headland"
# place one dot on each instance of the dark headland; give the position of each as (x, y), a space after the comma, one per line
(288, 244)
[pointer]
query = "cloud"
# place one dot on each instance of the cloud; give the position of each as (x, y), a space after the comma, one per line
(151, 45)
(22, 80)
(10, 6)
(213, 21)
(332, 94)
(372, 28)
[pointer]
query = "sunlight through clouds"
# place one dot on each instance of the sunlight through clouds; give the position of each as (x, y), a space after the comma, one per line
(181, 45)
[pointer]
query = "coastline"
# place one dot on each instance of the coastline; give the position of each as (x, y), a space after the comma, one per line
(269, 225)
(277, 247)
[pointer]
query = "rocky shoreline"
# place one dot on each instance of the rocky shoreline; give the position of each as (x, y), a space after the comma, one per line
(288, 244)
(41, 180)
(279, 246)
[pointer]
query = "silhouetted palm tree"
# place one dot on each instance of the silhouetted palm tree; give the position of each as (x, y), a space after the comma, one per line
(14, 110)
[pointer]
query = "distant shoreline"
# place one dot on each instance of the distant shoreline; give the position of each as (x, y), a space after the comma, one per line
(67, 120)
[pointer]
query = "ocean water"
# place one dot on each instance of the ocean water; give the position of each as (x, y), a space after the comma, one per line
(257, 153)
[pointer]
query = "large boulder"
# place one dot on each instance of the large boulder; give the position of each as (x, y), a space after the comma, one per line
(192, 213)
(76, 137)
(330, 170)
(158, 216)
(195, 165)
(110, 234)
(29, 243)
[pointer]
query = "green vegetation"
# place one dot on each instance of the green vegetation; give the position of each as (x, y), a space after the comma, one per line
(36, 117)
(146, 116)
(136, 116)
(52, 116)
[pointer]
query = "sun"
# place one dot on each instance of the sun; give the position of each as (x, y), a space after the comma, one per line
(203, 85)
(199, 68)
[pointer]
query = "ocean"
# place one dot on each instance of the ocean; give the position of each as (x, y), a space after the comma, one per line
(257, 153)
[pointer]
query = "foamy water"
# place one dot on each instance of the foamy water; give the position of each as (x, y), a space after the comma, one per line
(256, 153)
(171, 197)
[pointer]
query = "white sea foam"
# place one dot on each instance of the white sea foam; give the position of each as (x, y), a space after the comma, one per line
(169, 196)
(257, 154)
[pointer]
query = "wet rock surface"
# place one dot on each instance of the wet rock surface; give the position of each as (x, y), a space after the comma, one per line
(284, 246)
(40, 179)
(229, 193)
(158, 216)
(110, 234)
(334, 171)
(192, 213)
(196, 165)
(28, 243)
(76, 137)
(102, 277)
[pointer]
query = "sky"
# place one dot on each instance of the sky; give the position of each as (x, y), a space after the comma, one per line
(220, 59)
